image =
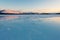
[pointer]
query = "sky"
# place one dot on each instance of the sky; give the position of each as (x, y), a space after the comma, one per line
(31, 5)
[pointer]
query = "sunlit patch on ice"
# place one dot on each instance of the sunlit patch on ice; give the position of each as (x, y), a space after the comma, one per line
(8, 28)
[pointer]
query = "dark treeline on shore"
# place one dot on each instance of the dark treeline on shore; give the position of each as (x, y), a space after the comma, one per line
(30, 14)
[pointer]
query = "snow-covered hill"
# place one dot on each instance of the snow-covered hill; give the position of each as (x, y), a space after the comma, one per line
(10, 11)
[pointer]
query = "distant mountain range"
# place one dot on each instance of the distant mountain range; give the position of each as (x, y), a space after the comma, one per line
(14, 12)
(10, 11)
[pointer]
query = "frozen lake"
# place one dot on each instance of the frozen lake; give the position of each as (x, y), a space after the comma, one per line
(30, 27)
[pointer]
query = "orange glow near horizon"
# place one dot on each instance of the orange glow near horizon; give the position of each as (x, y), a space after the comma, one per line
(46, 10)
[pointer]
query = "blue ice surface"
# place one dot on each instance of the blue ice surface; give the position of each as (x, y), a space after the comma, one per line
(29, 27)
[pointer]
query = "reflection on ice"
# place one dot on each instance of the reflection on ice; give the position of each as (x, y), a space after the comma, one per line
(8, 17)
(50, 19)
(34, 18)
